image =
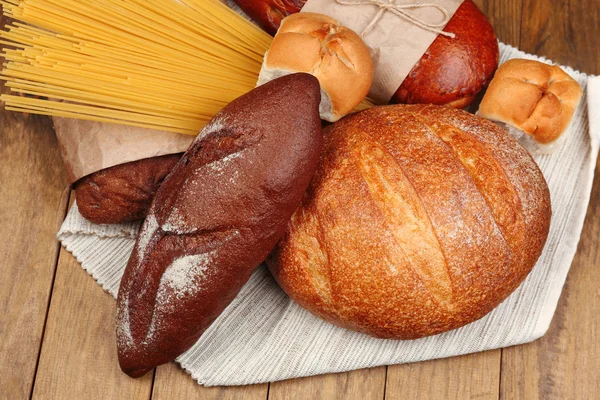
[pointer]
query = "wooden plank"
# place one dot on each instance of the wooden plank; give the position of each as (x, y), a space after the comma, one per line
(79, 356)
(465, 377)
(505, 17)
(32, 205)
(564, 31)
(172, 382)
(364, 384)
(564, 364)
(33, 201)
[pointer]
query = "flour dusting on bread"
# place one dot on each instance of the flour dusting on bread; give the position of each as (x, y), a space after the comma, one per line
(215, 219)
(183, 274)
(146, 234)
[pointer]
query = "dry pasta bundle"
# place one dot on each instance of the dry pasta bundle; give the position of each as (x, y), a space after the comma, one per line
(161, 64)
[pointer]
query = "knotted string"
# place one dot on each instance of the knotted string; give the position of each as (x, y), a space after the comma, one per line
(400, 11)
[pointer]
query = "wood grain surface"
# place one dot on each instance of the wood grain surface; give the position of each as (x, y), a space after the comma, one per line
(57, 328)
(474, 376)
(172, 382)
(79, 358)
(362, 384)
(33, 202)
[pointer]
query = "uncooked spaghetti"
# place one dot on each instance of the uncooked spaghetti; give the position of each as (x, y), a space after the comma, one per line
(161, 64)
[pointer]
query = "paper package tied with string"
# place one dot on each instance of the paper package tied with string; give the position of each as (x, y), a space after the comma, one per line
(398, 33)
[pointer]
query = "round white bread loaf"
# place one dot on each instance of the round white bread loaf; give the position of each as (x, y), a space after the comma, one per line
(419, 219)
(335, 55)
(535, 100)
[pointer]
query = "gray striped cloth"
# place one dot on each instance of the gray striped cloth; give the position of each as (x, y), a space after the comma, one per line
(263, 336)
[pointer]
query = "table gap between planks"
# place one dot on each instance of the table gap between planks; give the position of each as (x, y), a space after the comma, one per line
(57, 328)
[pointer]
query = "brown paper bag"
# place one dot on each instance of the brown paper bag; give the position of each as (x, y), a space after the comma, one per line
(395, 39)
(88, 146)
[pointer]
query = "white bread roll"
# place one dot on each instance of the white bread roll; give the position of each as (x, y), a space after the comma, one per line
(335, 55)
(535, 101)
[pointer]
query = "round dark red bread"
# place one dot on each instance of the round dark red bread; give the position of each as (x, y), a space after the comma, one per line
(454, 70)
(269, 13)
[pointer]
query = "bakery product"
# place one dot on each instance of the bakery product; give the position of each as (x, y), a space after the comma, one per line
(215, 218)
(335, 55)
(534, 101)
(124, 192)
(453, 71)
(269, 13)
(420, 219)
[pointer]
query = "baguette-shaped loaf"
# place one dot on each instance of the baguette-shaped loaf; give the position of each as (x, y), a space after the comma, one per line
(215, 218)
(420, 219)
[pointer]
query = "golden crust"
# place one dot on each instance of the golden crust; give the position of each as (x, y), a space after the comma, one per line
(537, 98)
(420, 219)
(335, 55)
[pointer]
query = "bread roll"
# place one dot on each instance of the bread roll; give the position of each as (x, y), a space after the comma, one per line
(124, 192)
(215, 218)
(420, 219)
(335, 55)
(534, 100)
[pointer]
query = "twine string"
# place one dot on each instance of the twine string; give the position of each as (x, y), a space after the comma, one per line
(401, 10)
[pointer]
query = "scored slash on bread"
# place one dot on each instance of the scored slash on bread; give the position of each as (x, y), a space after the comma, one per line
(215, 218)
(419, 219)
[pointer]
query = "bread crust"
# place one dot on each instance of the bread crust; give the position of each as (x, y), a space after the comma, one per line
(454, 70)
(215, 218)
(536, 98)
(419, 220)
(124, 192)
(269, 13)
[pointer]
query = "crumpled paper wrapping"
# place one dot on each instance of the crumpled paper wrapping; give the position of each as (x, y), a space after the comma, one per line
(87, 146)
(396, 44)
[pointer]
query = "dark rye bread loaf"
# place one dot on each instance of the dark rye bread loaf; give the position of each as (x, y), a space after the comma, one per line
(420, 219)
(124, 192)
(216, 217)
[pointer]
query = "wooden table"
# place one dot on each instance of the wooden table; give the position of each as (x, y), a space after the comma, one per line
(57, 337)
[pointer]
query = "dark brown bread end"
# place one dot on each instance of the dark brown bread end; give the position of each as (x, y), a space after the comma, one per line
(124, 192)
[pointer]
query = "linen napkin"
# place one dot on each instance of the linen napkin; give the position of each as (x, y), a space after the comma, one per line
(263, 336)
